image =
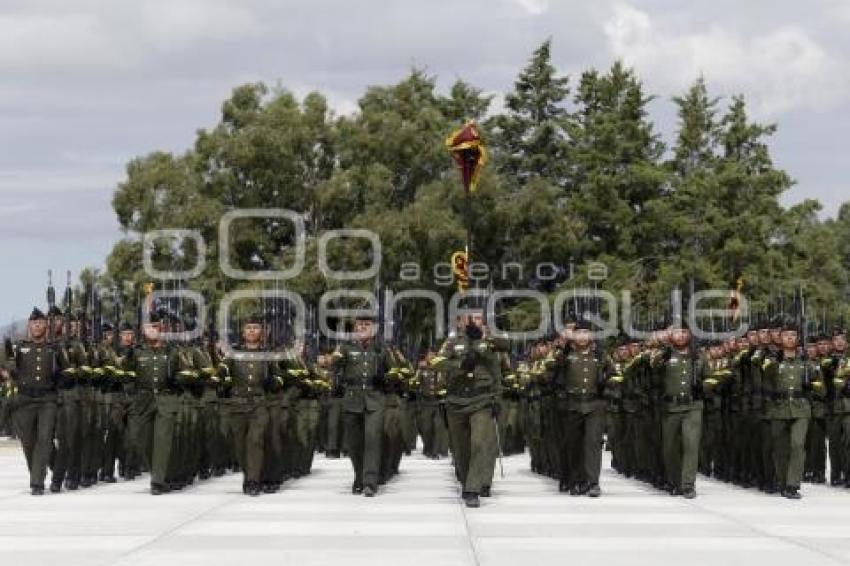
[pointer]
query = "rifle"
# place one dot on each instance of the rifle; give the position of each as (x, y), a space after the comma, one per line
(116, 317)
(51, 302)
(803, 326)
(67, 302)
(692, 347)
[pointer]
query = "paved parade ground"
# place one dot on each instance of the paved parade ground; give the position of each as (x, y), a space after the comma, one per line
(417, 519)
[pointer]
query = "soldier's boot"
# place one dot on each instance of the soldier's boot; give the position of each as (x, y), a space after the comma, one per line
(594, 491)
(471, 499)
(791, 493)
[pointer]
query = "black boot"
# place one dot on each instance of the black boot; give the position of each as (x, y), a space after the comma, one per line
(471, 499)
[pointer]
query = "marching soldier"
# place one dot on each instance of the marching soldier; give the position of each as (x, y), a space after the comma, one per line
(70, 430)
(246, 377)
(680, 377)
(836, 374)
(129, 462)
(814, 469)
(430, 412)
(360, 367)
(153, 410)
(787, 378)
(579, 376)
(473, 365)
(34, 371)
(110, 399)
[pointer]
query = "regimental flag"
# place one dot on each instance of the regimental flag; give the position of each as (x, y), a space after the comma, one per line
(468, 151)
(460, 270)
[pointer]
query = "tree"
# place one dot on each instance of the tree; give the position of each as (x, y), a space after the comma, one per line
(532, 139)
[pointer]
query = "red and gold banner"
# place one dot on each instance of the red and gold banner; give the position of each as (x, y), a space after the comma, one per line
(469, 153)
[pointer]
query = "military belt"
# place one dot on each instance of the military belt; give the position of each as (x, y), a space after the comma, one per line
(788, 396)
(680, 399)
(36, 392)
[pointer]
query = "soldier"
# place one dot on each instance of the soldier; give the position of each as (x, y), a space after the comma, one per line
(787, 378)
(129, 458)
(430, 411)
(836, 373)
(313, 387)
(34, 371)
(579, 377)
(621, 397)
(510, 422)
(360, 366)
(110, 400)
(814, 470)
(247, 376)
(155, 404)
(761, 407)
(392, 443)
(680, 377)
(473, 366)
(205, 390)
(711, 461)
(333, 422)
(71, 417)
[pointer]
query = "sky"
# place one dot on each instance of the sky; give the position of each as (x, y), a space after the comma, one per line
(85, 86)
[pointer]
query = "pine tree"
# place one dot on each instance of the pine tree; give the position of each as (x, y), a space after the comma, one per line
(532, 138)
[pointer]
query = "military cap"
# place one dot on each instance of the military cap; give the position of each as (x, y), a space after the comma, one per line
(36, 314)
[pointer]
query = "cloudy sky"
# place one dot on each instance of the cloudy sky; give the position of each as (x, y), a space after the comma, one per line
(89, 84)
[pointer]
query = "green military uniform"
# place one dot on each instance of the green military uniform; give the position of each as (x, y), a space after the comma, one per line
(153, 411)
(814, 467)
(395, 386)
(74, 413)
(282, 448)
(360, 369)
(836, 373)
(333, 422)
(473, 374)
(712, 460)
(533, 415)
(760, 409)
(111, 407)
(679, 378)
(579, 377)
(789, 411)
(431, 391)
(246, 379)
(34, 371)
(510, 420)
(630, 436)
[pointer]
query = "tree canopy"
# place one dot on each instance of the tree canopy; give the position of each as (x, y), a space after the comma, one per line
(578, 173)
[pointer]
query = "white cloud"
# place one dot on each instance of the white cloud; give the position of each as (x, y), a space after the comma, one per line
(781, 69)
(36, 41)
(116, 37)
(533, 7)
(167, 23)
